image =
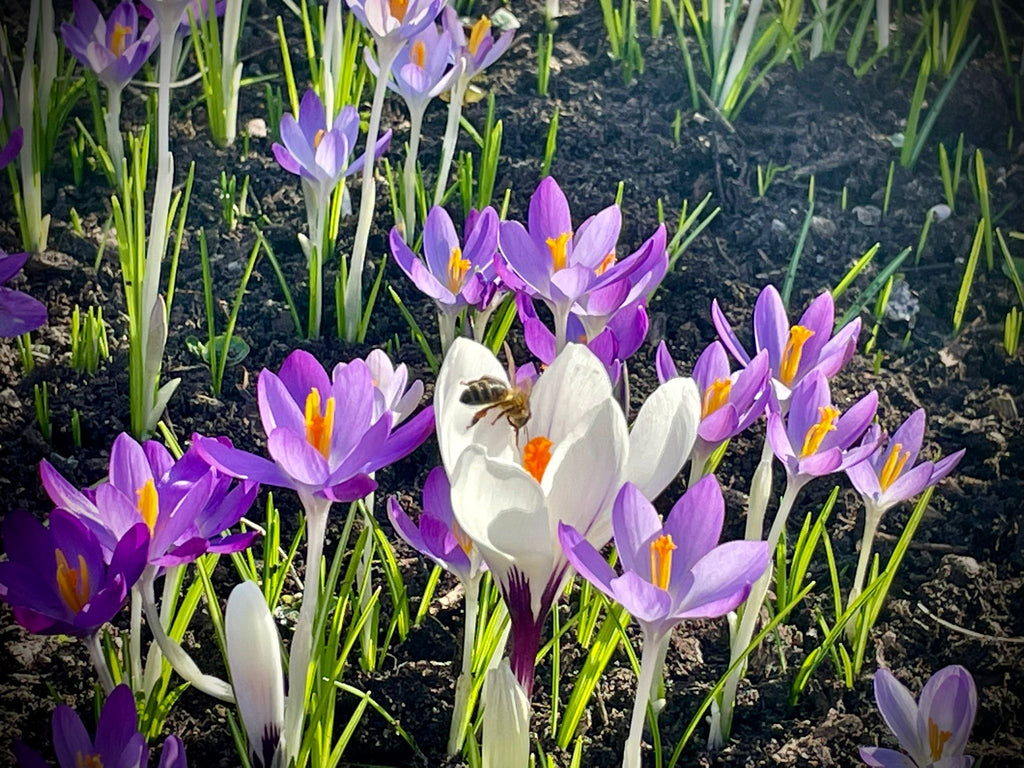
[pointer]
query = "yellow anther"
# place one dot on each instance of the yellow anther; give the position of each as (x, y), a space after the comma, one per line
(72, 583)
(418, 54)
(477, 34)
(937, 739)
(661, 560)
(536, 455)
(398, 8)
(458, 267)
(318, 137)
(118, 39)
(319, 425)
(148, 503)
(827, 416)
(465, 543)
(559, 247)
(608, 262)
(92, 760)
(798, 336)
(715, 396)
(893, 466)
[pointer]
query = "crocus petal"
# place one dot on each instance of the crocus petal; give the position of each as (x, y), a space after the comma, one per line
(596, 238)
(405, 439)
(19, 313)
(819, 318)
(354, 488)
(416, 271)
(241, 464)
(634, 522)
(129, 469)
(570, 388)
(949, 699)
(116, 725)
(549, 211)
(722, 579)
(910, 435)
(946, 465)
(899, 710)
(907, 485)
(526, 260)
(644, 601)
(727, 335)
(663, 435)
(585, 559)
(297, 458)
(695, 523)
(63, 494)
(664, 364)
(771, 326)
(172, 755)
(851, 425)
(880, 757)
(711, 365)
(864, 478)
(70, 738)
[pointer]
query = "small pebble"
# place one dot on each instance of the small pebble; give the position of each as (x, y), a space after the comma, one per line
(868, 215)
(939, 212)
(256, 128)
(822, 226)
(779, 227)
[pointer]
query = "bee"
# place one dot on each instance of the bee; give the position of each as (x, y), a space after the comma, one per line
(510, 401)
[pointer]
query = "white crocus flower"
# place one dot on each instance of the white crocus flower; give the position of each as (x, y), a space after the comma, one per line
(254, 656)
(566, 465)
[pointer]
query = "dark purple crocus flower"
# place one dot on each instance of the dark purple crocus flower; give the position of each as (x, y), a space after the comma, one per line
(322, 434)
(56, 580)
(19, 312)
(422, 68)
(793, 351)
(933, 730)
(113, 49)
(186, 505)
(891, 475)
(815, 439)
(480, 50)
(10, 150)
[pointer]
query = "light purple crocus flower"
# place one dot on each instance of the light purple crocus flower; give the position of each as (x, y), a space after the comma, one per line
(185, 505)
(421, 70)
(480, 50)
(10, 150)
(793, 351)
(19, 312)
(55, 578)
(815, 439)
(393, 21)
(934, 730)
(113, 49)
(394, 392)
(199, 10)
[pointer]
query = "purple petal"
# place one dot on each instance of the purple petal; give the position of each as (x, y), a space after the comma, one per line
(906, 486)
(811, 394)
(839, 349)
(944, 466)
(129, 468)
(351, 489)
(417, 272)
(880, 757)
(549, 214)
(585, 559)
(949, 699)
(727, 335)
(406, 438)
(116, 725)
(711, 365)
(722, 579)
(634, 524)
(695, 524)
(70, 739)
(851, 425)
(11, 263)
(297, 458)
(596, 238)
(664, 364)
(173, 754)
(301, 373)
(19, 313)
(819, 317)
(771, 326)
(898, 709)
(523, 256)
(278, 406)
(910, 434)
(241, 464)
(645, 602)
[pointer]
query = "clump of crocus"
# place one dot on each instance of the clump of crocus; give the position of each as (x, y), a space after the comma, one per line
(19, 312)
(932, 731)
(118, 741)
(456, 275)
(891, 475)
(671, 572)
(318, 151)
(114, 51)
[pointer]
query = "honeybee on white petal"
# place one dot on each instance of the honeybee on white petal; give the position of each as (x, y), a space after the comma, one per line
(509, 400)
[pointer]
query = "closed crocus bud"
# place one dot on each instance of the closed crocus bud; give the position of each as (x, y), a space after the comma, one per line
(254, 655)
(506, 720)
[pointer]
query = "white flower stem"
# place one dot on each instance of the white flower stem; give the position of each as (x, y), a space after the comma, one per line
(135, 638)
(115, 142)
(302, 640)
(465, 681)
(872, 517)
(480, 318)
(648, 668)
(561, 324)
(409, 172)
(446, 329)
(699, 458)
(92, 644)
(386, 53)
(451, 135)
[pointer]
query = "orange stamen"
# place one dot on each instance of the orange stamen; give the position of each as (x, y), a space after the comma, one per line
(715, 396)
(937, 739)
(465, 543)
(798, 336)
(398, 8)
(72, 584)
(458, 267)
(477, 34)
(827, 416)
(559, 247)
(608, 262)
(418, 54)
(661, 560)
(319, 426)
(92, 760)
(893, 466)
(117, 39)
(536, 455)
(148, 503)
(318, 137)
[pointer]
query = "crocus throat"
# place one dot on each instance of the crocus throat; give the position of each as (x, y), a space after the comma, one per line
(559, 247)
(118, 39)
(798, 336)
(607, 263)
(536, 455)
(661, 560)
(418, 54)
(72, 583)
(715, 396)
(477, 34)
(937, 739)
(148, 503)
(92, 760)
(827, 416)
(398, 8)
(457, 269)
(893, 466)
(319, 424)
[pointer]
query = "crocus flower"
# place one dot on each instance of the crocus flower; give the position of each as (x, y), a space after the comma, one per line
(793, 351)
(19, 312)
(10, 150)
(934, 730)
(395, 392)
(394, 21)
(480, 50)
(113, 49)
(421, 70)
(199, 10)
(55, 578)
(254, 657)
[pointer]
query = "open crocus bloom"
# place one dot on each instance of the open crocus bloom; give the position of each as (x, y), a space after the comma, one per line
(510, 492)
(815, 438)
(933, 730)
(793, 351)
(480, 50)
(890, 475)
(112, 48)
(421, 70)
(19, 312)
(393, 21)
(394, 391)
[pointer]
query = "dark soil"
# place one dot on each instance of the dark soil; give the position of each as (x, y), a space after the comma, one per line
(958, 598)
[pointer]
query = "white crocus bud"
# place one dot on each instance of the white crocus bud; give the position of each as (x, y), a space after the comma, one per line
(254, 656)
(506, 720)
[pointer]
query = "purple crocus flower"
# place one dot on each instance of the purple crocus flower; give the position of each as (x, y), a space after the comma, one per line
(322, 434)
(890, 474)
(793, 351)
(815, 439)
(394, 392)
(55, 578)
(393, 21)
(421, 70)
(10, 150)
(185, 505)
(933, 730)
(480, 50)
(19, 312)
(113, 49)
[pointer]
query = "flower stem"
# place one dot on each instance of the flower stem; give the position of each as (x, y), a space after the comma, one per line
(465, 681)
(872, 517)
(446, 329)
(409, 172)
(92, 644)
(135, 639)
(451, 135)
(648, 667)
(561, 317)
(115, 142)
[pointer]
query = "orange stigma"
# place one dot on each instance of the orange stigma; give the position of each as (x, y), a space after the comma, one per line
(92, 760)
(418, 54)
(536, 455)
(319, 426)
(661, 560)
(798, 336)
(606, 264)
(458, 267)
(827, 416)
(894, 464)
(715, 396)
(477, 34)
(148, 503)
(559, 247)
(72, 583)
(937, 739)
(398, 8)
(117, 39)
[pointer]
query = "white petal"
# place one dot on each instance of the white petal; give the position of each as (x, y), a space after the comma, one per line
(506, 720)
(663, 435)
(573, 385)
